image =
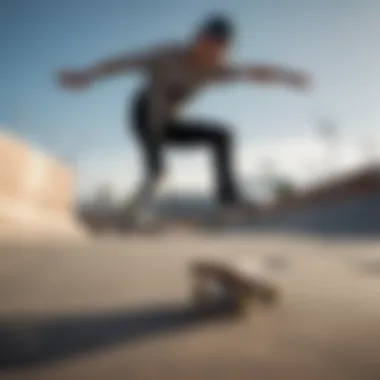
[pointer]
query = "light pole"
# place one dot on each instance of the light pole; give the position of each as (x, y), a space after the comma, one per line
(369, 150)
(327, 131)
(268, 169)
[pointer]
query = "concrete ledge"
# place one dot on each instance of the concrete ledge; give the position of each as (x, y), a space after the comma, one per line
(36, 192)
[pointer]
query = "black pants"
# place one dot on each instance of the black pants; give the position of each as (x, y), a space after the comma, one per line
(185, 134)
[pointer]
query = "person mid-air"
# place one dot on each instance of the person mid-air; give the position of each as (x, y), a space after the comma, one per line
(174, 73)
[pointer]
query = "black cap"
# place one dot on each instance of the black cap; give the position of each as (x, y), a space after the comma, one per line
(217, 26)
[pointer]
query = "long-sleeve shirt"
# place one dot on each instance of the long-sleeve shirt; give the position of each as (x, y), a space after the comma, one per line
(172, 78)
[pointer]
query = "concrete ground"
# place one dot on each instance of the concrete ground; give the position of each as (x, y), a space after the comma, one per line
(119, 309)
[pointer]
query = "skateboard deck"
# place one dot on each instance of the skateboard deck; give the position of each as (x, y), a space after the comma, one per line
(122, 224)
(223, 281)
(223, 218)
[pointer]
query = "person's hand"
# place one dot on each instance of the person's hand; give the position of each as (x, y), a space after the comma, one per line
(74, 79)
(298, 80)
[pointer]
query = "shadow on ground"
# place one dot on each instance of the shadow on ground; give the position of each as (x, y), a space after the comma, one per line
(28, 341)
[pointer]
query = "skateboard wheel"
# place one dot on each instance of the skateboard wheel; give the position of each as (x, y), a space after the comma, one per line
(243, 306)
(199, 295)
(270, 297)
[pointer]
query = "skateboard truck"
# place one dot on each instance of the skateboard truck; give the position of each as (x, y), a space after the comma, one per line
(223, 283)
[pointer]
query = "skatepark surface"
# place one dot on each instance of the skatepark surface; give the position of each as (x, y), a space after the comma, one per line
(118, 308)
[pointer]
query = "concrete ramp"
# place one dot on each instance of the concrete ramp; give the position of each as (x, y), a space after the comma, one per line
(36, 192)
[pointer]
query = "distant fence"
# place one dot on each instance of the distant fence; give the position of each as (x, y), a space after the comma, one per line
(347, 206)
(356, 216)
(33, 186)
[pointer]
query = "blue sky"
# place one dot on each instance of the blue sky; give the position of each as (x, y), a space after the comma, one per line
(337, 41)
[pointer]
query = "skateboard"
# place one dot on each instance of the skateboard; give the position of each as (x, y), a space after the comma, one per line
(121, 224)
(215, 282)
(224, 218)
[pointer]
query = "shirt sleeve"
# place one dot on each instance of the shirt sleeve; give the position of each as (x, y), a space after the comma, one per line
(230, 73)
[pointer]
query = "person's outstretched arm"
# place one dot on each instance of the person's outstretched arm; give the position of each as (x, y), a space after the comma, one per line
(112, 66)
(265, 74)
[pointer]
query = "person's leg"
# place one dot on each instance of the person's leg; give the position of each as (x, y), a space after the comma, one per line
(189, 133)
(151, 148)
(141, 201)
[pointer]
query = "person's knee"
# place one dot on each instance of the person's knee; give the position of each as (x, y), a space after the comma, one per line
(154, 167)
(156, 175)
(223, 137)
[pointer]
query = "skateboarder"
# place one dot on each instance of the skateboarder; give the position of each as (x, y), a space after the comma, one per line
(174, 73)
